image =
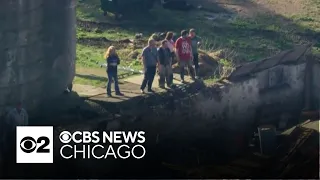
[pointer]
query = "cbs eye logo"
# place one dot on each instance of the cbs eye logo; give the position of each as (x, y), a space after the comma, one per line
(29, 144)
(65, 137)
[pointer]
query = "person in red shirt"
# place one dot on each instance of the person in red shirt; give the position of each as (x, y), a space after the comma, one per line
(184, 54)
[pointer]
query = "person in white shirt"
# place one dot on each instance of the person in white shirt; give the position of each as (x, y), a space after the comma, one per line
(18, 116)
(170, 42)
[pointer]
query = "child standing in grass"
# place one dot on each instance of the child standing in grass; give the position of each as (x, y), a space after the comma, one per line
(112, 70)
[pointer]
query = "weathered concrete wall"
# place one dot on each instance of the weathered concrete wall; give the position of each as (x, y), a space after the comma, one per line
(316, 81)
(238, 101)
(37, 50)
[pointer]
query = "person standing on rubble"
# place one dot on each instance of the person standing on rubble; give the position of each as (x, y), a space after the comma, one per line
(113, 61)
(195, 42)
(165, 65)
(184, 54)
(170, 45)
(170, 42)
(149, 61)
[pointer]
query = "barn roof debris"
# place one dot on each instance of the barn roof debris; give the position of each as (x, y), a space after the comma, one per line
(297, 156)
(292, 56)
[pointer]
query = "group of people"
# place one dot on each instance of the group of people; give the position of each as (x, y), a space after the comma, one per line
(184, 50)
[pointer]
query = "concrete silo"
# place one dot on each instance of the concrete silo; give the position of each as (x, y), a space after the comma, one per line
(37, 50)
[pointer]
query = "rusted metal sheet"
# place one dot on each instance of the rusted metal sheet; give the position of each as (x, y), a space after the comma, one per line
(286, 57)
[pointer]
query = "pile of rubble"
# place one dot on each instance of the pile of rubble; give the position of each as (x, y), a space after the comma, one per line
(296, 156)
(301, 152)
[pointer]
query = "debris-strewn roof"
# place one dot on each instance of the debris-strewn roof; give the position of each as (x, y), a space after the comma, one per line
(292, 56)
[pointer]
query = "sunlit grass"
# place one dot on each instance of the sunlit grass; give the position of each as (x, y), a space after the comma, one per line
(252, 39)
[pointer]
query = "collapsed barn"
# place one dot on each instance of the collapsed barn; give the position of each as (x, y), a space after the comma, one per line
(194, 131)
(239, 127)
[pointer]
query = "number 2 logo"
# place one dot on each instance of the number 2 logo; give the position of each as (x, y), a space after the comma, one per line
(29, 144)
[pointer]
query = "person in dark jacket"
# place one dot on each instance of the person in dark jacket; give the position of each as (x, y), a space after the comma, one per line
(112, 70)
(150, 62)
(165, 65)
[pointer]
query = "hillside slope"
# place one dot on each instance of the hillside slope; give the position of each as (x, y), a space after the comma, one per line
(245, 30)
(258, 27)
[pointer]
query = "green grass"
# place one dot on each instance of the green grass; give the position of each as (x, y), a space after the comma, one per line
(248, 36)
(252, 39)
(85, 81)
(310, 17)
(112, 34)
(90, 58)
(89, 11)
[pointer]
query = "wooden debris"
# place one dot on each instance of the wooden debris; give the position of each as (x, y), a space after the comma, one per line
(246, 163)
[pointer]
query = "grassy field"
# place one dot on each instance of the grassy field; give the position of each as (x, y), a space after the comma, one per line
(252, 29)
(90, 58)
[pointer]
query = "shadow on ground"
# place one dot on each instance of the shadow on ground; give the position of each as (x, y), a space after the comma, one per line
(103, 79)
(176, 147)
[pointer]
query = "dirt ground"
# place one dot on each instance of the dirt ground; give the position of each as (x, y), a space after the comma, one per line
(252, 8)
